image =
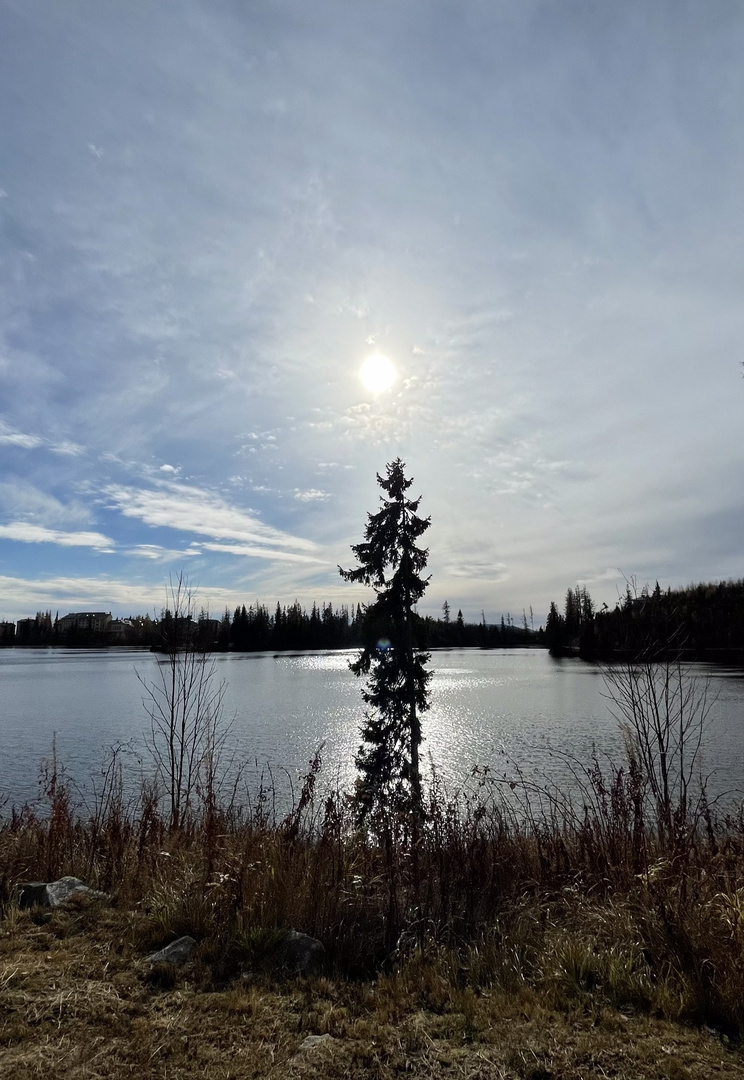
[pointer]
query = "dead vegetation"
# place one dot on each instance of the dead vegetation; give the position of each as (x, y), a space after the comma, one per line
(527, 934)
(77, 1004)
(558, 945)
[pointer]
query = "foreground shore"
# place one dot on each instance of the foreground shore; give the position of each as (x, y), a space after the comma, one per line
(505, 930)
(80, 1002)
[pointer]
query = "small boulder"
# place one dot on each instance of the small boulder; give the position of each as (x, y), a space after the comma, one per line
(313, 1041)
(178, 952)
(71, 888)
(300, 953)
(56, 893)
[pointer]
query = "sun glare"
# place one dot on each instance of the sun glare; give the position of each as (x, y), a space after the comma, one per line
(377, 373)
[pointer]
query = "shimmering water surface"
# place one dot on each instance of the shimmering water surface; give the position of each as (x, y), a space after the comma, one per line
(488, 708)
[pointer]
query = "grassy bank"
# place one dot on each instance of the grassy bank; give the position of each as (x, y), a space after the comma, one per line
(76, 1003)
(520, 925)
(509, 929)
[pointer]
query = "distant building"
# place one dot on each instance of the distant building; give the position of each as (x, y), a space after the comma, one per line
(25, 629)
(96, 622)
(7, 633)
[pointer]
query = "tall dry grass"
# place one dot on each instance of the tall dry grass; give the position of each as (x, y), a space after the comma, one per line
(509, 888)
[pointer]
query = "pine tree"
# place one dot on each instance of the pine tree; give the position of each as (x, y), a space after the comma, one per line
(391, 562)
(554, 629)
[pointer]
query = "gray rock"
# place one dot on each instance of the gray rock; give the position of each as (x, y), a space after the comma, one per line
(178, 952)
(300, 953)
(71, 888)
(56, 893)
(313, 1041)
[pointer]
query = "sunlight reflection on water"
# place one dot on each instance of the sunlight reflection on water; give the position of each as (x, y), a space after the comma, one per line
(487, 708)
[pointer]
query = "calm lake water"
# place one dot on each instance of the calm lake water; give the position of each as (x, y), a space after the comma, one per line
(488, 708)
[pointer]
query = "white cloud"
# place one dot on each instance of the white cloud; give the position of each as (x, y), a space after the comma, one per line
(263, 553)
(475, 570)
(161, 554)
(25, 533)
(194, 510)
(67, 449)
(23, 596)
(20, 499)
(312, 495)
(9, 437)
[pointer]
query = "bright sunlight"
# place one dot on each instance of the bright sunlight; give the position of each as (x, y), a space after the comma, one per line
(377, 373)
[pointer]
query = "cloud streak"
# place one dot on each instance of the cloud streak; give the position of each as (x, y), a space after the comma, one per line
(25, 533)
(264, 553)
(8, 437)
(195, 510)
(101, 593)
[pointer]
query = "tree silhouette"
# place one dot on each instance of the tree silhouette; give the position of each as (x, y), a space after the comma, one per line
(397, 677)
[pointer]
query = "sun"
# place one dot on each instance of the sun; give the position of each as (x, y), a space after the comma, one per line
(377, 373)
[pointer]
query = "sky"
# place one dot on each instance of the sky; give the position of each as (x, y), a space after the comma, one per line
(213, 213)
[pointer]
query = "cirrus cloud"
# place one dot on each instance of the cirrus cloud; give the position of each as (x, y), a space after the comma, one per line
(26, 533)
(195, 510)
(10, 437)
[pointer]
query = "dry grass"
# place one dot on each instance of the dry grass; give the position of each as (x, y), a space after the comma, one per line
(77, 1004)
(518, 937)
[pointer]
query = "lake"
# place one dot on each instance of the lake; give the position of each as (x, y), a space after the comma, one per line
(490, 708)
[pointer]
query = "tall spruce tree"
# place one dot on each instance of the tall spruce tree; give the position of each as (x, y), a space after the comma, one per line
(391, 562)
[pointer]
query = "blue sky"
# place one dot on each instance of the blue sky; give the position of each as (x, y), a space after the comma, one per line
(212, 213)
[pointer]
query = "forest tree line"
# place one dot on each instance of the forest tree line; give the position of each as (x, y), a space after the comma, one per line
(699, 622)
(289, 627)
(705, 621)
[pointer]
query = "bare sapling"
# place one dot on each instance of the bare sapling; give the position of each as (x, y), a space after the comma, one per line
(663, 711)
(188, 733)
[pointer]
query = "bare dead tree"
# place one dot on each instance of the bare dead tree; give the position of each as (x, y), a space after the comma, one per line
(663, 711)
(184, 702)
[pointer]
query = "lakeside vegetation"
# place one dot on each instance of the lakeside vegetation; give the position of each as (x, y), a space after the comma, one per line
(518, 911)
(512, 931)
